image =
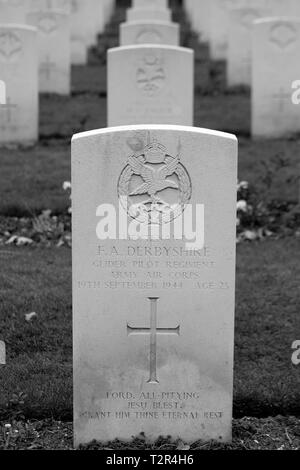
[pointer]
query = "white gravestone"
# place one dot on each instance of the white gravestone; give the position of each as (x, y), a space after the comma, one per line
(199, 16)
(150, 84)
(100, 19)
(14, 11)
(150, 3)
(108, 9)
(153, 317)
(54, 51)
(239, 59)
(143, 14)
(94, 20)
(290, 8)
(219, 26)
(276, 45)
(155, 32)
(19, 71)
(84, 22)
(2, 92)
(2, 354)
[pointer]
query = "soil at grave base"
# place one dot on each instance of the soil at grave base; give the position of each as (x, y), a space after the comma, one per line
(280, 433)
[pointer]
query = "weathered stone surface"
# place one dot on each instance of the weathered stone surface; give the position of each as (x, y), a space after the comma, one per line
(153, 317)
(150, 84)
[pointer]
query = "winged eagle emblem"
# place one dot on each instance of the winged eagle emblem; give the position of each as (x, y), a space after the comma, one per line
(155, 180)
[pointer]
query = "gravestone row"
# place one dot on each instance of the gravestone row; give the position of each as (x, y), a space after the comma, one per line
(247, 35)
(35, 56)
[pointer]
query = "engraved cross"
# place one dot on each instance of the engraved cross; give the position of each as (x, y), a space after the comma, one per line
(153, 331)
(282, 97)
(47, 67)
(8, 107)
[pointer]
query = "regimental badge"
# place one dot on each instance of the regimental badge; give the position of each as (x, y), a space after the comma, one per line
(155, 185)
(151, 75)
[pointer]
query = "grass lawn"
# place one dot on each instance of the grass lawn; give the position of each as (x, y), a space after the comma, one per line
(280, 433)
(40, 352)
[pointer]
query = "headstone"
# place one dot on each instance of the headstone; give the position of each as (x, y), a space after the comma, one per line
(278, 8)
(108, 9)
(150, 4)
(54, 50)
(19, 70)
(94, 18)
(199, 16)
(153, 314)
(2, 92)
(13, 11)
(239, 60)
(84, 22)
(155, 32)
(276, 45)
(143, 14)
(2, 354)
(219, 26)
(150, 84)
